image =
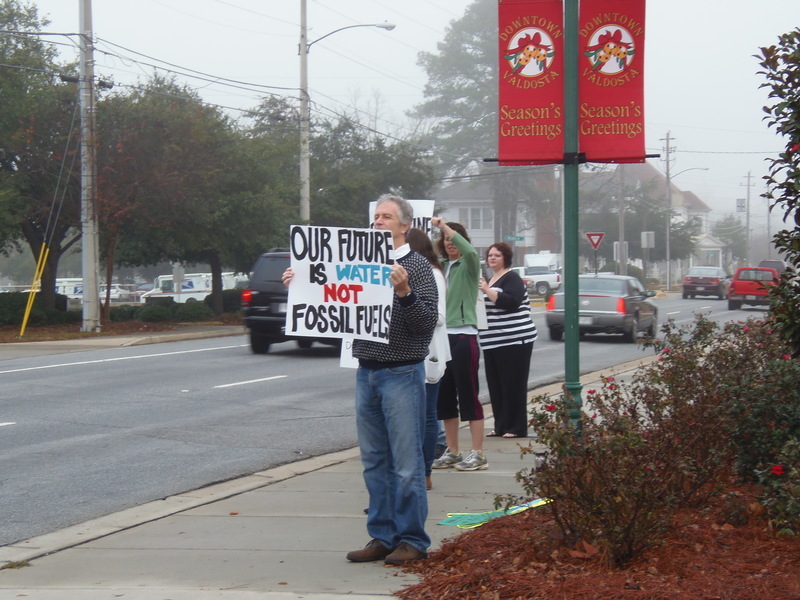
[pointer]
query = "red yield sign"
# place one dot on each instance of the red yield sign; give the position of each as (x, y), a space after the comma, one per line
(595, 238)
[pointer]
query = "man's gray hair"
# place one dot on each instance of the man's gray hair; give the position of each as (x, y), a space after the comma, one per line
(404, 209)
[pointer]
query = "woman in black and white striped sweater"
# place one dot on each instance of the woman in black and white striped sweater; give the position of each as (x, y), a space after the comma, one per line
(507, 344)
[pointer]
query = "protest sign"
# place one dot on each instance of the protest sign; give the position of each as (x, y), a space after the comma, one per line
(341, 284)
(423, 211)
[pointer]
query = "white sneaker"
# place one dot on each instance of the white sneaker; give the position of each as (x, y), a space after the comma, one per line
(476, 461)
(447, 460)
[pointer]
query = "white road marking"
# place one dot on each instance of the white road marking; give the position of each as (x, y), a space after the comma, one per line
(227, 385)
(108, 360)
(4, 424)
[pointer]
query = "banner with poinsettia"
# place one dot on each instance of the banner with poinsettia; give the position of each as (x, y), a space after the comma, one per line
(531, 108)
(611, 80)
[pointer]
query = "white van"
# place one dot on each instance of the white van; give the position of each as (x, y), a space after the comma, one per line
(194, 288)
(71, 287)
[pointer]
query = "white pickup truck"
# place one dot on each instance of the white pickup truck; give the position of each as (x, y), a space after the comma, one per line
(539, 280)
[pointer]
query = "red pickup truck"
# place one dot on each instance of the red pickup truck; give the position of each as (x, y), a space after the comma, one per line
(749, 286)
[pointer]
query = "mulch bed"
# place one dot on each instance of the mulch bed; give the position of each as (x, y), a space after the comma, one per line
(703, 557)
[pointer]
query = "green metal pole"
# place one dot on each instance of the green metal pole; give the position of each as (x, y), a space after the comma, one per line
(571, 223)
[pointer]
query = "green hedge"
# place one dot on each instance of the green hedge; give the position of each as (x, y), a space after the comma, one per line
(13, 304)
(193, 311)
(231, 300)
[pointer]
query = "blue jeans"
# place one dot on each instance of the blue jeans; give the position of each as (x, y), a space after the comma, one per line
(390, 419)
(431, 425)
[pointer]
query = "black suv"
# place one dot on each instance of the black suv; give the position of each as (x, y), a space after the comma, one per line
(264, 304)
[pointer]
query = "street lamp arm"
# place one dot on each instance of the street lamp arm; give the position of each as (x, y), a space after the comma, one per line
(669, 179)
(689, 169)
(305, 116)
(386, 26)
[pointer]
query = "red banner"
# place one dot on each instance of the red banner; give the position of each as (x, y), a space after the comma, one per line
(531, 107)
(611, 80)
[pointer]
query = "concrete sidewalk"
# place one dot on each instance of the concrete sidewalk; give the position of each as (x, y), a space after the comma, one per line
(184, 332)
(279, 534)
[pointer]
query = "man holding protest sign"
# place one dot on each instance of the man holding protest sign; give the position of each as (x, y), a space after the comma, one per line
(390, 395)
(390, 402)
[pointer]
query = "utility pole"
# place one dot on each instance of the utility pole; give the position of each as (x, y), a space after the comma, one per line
(748, 258)
(669, 210)
(769, 232)
(89, 251)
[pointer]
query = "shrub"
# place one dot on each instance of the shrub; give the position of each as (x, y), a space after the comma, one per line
(73, 316)
(231, 300)
(780, 66)
(714, 402)
(53, 316)
(608, 485)
(170, 302)
(765, 415)
(156, 312)
(124, 312)
(193, 311)
(13, 304)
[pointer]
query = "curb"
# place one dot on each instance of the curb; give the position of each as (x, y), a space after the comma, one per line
(180, 337)
(69, 537)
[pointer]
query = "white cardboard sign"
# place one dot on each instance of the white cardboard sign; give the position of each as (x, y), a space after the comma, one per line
(341, 284)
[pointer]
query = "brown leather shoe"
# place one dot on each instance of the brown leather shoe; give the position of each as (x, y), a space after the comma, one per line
(404, 553)
(428, 482)
(374, 550)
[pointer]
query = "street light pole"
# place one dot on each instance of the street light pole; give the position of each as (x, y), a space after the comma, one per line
(305, 112)
(669, 211)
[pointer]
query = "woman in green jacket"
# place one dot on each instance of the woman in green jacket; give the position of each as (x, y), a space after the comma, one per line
(458, 391)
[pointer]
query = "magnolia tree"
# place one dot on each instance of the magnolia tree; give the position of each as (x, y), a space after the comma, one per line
(780, 65)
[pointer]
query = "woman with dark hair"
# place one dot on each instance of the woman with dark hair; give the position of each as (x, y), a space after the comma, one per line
(507, 344)
(438, 351)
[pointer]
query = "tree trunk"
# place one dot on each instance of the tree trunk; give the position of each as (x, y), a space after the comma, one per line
(111, 251)
(216, 283)
(47, 291)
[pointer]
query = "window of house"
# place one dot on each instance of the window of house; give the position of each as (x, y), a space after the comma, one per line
(474, 219)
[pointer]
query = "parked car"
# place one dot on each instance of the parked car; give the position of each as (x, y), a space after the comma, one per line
(749, 286)
(706, 281)
(539, 280)
(264, 305)
(779, 265)
(607, 304)
(117, 293)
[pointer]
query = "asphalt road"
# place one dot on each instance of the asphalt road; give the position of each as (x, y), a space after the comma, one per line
(90, 433)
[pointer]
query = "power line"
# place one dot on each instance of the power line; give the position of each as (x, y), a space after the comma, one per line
(187, 71)
(725, 152)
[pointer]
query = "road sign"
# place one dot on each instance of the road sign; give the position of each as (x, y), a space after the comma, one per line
(595, 238)
(514, 238)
